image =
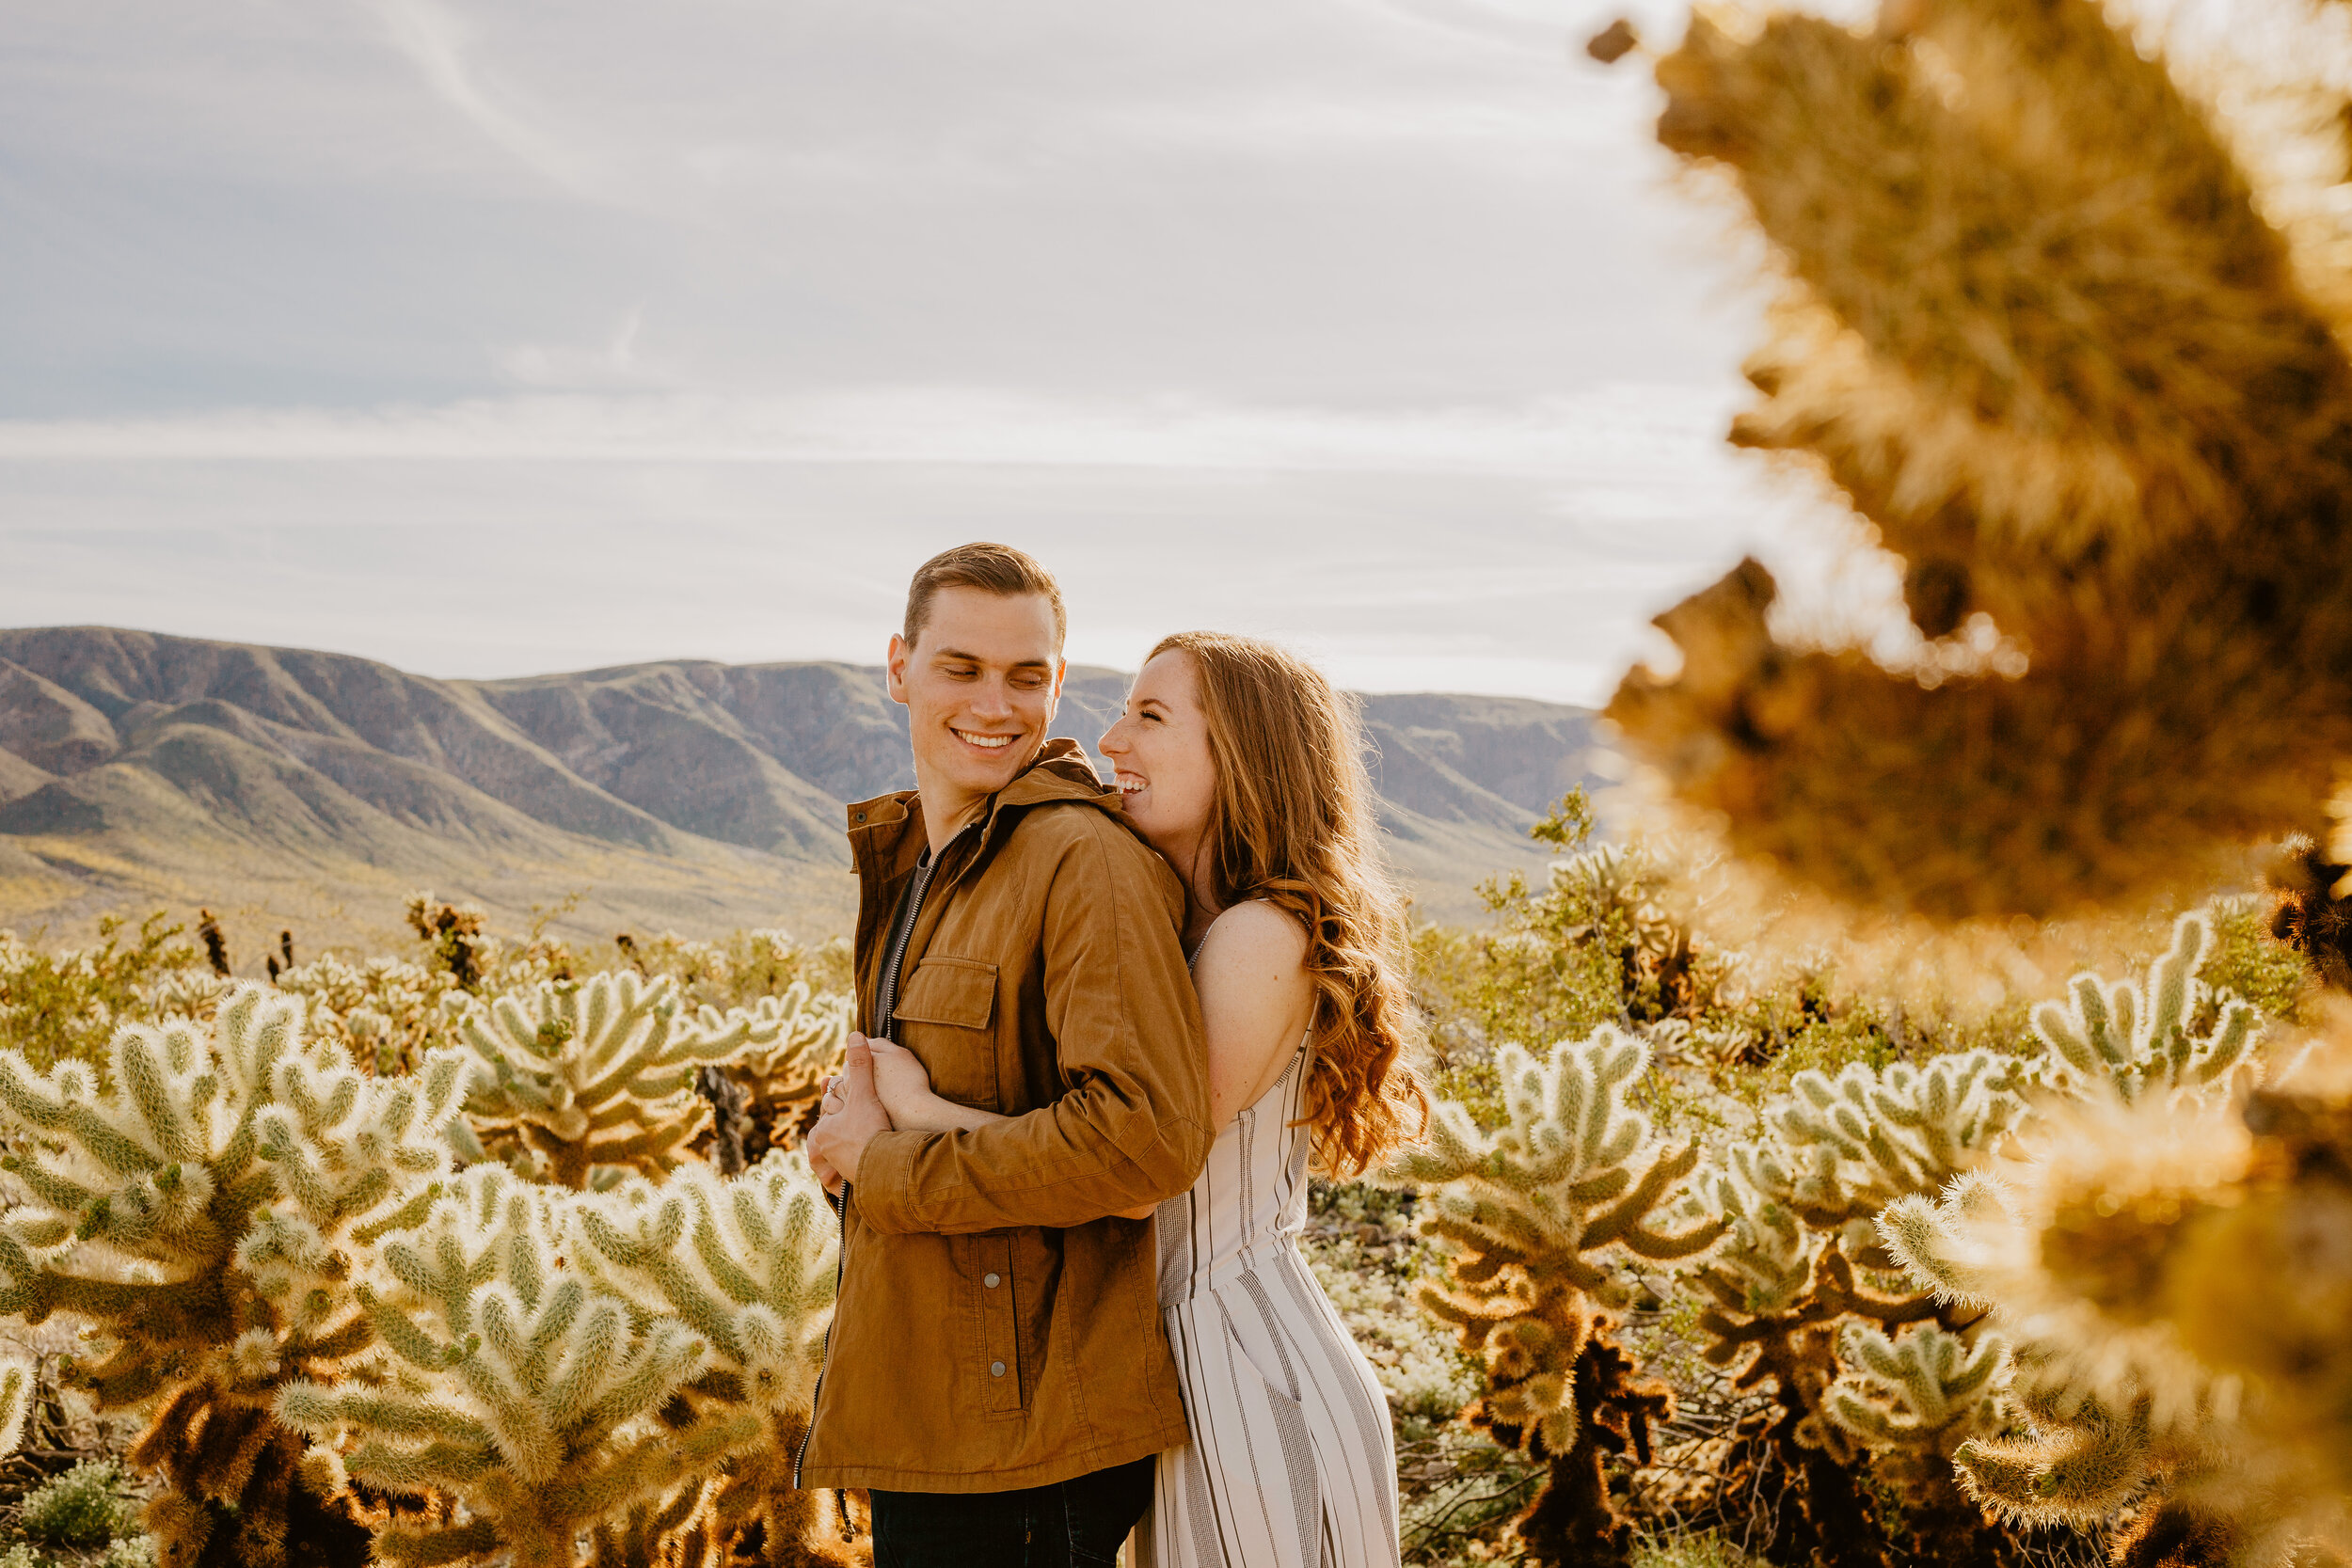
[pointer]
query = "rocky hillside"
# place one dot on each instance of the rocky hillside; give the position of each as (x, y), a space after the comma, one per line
(289, 787)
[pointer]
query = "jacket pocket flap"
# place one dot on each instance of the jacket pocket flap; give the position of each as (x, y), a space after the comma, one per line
(958, 992)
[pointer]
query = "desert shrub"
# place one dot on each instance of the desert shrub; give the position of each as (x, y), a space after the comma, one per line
(56, 1005)
(738, 969)
(129, 1551)
(84, 1506)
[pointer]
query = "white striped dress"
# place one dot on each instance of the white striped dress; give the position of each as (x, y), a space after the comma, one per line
(1291, 1464)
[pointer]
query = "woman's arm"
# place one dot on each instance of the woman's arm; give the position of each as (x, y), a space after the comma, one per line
(1256, 1003)
(905, 1088)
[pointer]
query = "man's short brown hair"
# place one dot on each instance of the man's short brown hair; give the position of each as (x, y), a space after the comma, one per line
(992, 569)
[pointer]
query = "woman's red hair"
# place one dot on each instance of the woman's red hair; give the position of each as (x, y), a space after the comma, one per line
(1291, 824)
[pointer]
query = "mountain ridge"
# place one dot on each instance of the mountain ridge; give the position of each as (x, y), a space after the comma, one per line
(316, 789)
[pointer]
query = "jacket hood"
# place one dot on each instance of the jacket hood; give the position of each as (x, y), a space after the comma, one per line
(1059, 774)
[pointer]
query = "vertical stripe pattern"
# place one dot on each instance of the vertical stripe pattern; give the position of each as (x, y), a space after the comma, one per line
(1292, 1463)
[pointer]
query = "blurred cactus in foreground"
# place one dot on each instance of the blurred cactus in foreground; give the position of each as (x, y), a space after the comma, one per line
(2169, 1266)
(1537, 1221)
(206, 1217)
(2111, 438)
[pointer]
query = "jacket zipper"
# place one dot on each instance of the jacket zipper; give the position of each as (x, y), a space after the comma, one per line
(893, 963)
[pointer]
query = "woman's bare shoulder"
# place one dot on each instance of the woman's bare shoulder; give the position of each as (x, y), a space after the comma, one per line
(1255, 934)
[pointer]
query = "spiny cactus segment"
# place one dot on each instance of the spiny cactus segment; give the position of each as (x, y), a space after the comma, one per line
(1538, 1220)
(2134, 1039)
(207, 1217)
(1910, 1400)
(1793, 1308)
(748, 1265)
(516, 1385)
(586, 1080)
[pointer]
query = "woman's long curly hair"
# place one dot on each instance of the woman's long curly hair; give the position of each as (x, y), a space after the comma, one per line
(1291, 823)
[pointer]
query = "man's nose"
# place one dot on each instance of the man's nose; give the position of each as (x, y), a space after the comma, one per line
(992, 701)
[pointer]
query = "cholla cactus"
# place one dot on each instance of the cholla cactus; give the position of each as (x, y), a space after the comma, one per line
(2102, 1262)
(601, 1072)
(748, 1265)
(1537, 1221)
(206, 1216)
(2110, 440)
(514, 1385)
(17, 1389)
(1848, 1145)
(2133, 1040)
(811, 1029)
(1910, 1401)
(387, 1012)
(1790, 1296)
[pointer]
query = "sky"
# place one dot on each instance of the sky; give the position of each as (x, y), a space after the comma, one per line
(490, 339)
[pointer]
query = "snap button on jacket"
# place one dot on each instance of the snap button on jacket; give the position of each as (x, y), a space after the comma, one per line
(994, 1329)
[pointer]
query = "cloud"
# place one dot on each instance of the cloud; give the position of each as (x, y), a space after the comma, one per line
(435, 40)
(1658, 431)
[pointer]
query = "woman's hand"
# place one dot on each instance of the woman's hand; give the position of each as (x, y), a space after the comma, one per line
(839, 1138)
(905, 1088)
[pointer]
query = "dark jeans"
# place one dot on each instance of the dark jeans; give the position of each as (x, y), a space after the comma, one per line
(1071, 1523)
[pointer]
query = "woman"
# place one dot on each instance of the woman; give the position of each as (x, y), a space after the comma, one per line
(1240, 763)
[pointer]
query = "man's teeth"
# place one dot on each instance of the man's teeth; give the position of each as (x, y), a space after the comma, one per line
(986, 742)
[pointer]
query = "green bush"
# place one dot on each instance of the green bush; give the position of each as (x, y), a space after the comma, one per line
(84, 1506)
(60, 1003)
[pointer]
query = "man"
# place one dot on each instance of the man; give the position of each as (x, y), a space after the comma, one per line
(997, 1370)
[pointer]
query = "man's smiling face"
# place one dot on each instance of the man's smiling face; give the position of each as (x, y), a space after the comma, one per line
(980, 684)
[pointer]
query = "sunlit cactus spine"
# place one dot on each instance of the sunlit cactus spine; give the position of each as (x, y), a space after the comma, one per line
(2133, 1040)
(1538, 1221)
(1791, 1297)
(583, 1082)
(17, 1390)
(748, 1265)
(784, 1076)
(206, 1217)
(1911, 1399)
(512, 1385)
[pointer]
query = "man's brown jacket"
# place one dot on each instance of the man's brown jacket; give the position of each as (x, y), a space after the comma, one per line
(995, 1330)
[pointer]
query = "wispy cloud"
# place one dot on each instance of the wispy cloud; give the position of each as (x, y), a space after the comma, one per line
(436, 38)
(1665, 430)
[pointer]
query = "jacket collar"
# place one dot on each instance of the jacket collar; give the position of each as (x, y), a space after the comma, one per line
(890, 827)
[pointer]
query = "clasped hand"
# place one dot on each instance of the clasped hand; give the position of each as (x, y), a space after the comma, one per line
(881, 1085)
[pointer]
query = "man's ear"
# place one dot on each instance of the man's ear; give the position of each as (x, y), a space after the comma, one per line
(1052, 699)
(895, 668)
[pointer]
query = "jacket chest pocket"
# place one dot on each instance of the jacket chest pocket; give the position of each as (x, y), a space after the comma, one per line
(946, 1016)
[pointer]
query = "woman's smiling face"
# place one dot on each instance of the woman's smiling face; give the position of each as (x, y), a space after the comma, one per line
(1160, 747)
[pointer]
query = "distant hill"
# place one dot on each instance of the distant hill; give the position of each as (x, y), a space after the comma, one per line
(286, 787)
